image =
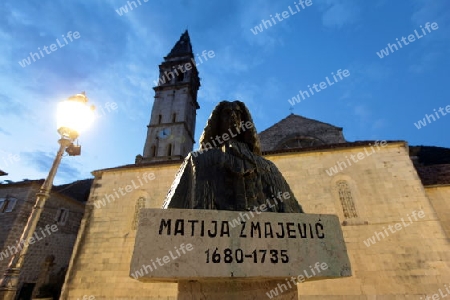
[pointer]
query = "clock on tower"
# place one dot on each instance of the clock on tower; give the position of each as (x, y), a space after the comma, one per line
(170, 134)
(164, 133)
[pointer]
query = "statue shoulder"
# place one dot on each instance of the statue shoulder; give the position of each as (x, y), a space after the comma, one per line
(266, 164)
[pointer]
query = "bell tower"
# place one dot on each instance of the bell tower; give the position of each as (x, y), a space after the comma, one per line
(170, 134)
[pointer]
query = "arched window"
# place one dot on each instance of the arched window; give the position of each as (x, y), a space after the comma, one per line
(153, 150)
(346, 198)
(174, 118)
(180, 77)
(169, 150)
(140, 203)
(62, 215)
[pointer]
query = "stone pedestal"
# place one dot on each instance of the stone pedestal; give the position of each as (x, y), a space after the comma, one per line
(232, 290)
(237, 255)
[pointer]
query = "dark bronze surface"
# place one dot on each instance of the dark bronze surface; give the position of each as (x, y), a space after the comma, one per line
(232, 174)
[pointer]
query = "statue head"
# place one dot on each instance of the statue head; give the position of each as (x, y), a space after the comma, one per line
(231, 117)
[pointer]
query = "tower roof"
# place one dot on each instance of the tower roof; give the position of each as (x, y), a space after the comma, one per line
(182, 47)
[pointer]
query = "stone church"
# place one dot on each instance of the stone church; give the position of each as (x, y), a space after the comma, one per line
(396, 227)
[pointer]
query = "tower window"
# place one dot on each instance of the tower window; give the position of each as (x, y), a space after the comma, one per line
(170, 74)
(159, 119)
(180, 77)
(153, 150)
(61, 216)
(346, 198)
(169, 150)
(174, 118)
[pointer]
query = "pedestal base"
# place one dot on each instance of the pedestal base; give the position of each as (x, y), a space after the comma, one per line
(232, 290)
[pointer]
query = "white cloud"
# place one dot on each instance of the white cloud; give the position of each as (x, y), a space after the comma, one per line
(338, 13)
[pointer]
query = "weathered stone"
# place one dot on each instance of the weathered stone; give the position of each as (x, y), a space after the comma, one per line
(236, 289)
(179, 244)
(58, 241)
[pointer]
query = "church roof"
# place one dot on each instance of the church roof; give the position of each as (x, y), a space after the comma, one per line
(298, 127)
(432, 164)
(296, 119)
(430, 155)
(3, 173)
(182, 47)
(78, 190)
(434, 174)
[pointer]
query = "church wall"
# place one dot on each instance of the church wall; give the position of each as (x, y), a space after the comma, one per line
(100, 264)
(414, 260)
(440, 199)
(385, 189)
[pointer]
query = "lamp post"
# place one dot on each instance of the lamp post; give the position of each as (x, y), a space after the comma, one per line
(73, 116)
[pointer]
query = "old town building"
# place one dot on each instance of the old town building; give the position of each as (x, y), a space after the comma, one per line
(49, 252)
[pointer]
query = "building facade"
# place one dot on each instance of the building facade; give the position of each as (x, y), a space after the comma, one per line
(49, 252)
(396, 228)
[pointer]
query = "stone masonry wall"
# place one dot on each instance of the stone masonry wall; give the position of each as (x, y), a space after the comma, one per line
(100, 264)
(407, 264)
(440, 199)
(12, 223)
(59, 244)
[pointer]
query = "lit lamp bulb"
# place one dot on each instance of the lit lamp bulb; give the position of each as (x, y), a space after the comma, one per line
(74, 116)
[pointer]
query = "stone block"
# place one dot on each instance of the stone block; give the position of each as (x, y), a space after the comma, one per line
(178, 244)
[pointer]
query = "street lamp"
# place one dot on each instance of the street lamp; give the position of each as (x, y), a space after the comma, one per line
(73, 117)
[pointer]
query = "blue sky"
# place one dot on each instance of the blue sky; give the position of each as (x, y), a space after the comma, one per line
(116, 58)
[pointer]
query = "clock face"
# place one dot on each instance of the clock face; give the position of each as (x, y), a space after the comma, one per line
(164, 133)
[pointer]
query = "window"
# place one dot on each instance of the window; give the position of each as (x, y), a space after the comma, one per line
(346, 198)
(153, 150)
(159, 119)
(62, 215)
(140, 203)
(180, 77)
(7, 204)
(174, 118)
(169, 150)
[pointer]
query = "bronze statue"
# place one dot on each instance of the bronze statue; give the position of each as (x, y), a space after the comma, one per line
(228, 172)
